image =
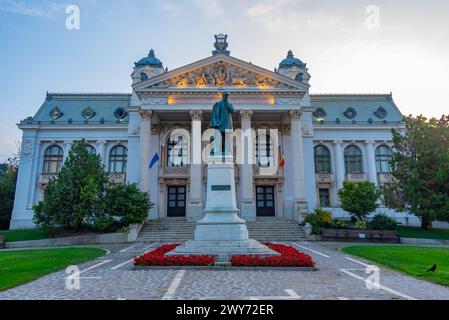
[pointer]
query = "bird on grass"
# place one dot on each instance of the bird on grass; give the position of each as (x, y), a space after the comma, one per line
(432, 268)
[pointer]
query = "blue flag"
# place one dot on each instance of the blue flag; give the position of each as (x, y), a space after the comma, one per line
(154, 160)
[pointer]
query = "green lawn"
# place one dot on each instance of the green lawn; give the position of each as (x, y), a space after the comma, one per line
(19, 267)
(24, 235)
(408, 259)
(416, 232)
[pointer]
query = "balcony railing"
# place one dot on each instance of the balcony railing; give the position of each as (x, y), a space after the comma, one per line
(117, 177)
(356, 177)
(385, 178)
(268, 171)
(174, 171)
(324, 178)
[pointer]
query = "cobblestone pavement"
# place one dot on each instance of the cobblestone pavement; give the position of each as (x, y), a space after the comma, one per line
(113, 277)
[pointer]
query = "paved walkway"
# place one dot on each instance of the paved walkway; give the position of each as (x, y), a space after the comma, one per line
(340, 277)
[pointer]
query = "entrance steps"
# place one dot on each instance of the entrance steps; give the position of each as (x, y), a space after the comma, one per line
(166, 230)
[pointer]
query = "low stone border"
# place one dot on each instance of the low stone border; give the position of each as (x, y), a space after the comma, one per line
(424, 241)
(225, 268)
(102, 238)
(106, 238)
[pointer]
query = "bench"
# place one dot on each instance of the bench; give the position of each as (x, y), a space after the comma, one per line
(2, 242)
(381, 236)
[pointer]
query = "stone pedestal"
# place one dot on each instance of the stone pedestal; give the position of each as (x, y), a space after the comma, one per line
(221, 232)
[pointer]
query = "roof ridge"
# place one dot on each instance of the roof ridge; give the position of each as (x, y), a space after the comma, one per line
(87, 93)
(352, 94)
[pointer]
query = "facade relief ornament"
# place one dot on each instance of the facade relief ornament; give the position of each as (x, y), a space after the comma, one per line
(221, 74)
(146, 114)
(155, 101)
(295, 114)
(27, 148)
(196, 114)
(246, 114)
(307, 130)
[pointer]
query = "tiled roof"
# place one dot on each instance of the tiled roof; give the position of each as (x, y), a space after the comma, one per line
(79, 107)
(355, 108)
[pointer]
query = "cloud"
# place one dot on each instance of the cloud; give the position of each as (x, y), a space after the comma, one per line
(278, 16)
(210, 8)
(170, 8)
(32, 8)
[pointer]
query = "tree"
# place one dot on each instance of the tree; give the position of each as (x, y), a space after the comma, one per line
(359, 198)
(420, 166)
(8, 179)
(74, 197)
(127, 203)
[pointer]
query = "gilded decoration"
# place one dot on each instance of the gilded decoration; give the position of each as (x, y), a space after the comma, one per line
(222, 74)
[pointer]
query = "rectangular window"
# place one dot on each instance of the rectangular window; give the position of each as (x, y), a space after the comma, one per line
(324, 198)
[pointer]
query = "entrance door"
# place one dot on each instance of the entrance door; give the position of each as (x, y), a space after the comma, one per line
(265, 201)
(176, 202)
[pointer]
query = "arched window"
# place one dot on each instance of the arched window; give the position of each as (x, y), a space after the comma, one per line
(353, 160)
(383, 158)
(53, 159)
(118, 159)
(322, 159)
(90, 149)
(264, 151)
(177, 151)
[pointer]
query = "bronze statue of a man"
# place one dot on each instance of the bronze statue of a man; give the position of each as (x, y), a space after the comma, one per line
(221, 118)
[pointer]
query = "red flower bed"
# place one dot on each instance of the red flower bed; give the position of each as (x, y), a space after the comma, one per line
(289, 257)
(157, 257)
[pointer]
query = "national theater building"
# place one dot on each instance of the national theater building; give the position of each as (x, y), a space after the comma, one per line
(321, 140)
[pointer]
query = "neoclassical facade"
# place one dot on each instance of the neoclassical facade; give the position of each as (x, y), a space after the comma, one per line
(303, 146)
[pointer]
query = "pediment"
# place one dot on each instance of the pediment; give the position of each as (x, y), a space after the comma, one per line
(220, 72)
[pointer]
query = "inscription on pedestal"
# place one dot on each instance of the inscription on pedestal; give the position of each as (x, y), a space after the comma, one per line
(221, 188)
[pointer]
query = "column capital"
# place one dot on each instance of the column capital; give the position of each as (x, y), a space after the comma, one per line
(338, 142)
(146, 114)
(68, 142)
(295, 114)
(196, 114)
(101, 142)
(370, 142)
(246, 114)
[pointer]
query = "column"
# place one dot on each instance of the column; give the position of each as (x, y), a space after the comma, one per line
(308, 157)
(101, 150)
(67, 147)
(339, 164)
(247, 203)
(22, 214)
(195, 203)
(371, 161)
(145, 132)
(300, 204)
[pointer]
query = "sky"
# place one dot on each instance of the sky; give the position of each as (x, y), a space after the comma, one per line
(352, 46)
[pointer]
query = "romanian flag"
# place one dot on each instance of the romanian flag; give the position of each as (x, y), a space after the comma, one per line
(282, 159)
